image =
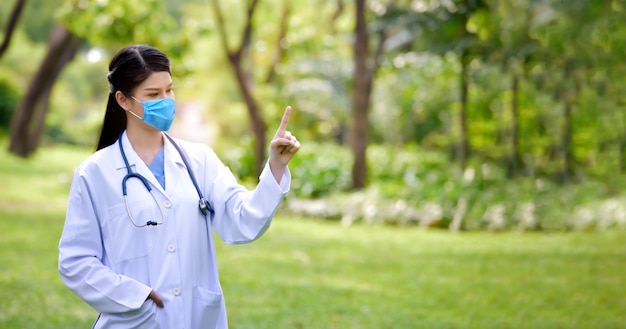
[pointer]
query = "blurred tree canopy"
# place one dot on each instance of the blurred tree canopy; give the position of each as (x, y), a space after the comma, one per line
(114, 24)
(532, 86)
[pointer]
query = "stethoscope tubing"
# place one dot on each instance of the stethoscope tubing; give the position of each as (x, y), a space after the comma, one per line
(145, 183)
(204, 206)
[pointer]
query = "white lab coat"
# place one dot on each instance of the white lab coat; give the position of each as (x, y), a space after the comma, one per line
(113, 265)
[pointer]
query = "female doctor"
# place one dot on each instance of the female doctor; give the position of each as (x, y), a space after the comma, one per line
(137, 244)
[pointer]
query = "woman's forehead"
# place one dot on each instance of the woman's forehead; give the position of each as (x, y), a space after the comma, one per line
(156, 80)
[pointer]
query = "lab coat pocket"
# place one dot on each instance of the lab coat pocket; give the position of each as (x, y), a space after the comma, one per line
(144, 317)
(206, 308)
(122, 239)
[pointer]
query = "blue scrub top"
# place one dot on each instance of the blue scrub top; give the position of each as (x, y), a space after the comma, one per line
(157, 167)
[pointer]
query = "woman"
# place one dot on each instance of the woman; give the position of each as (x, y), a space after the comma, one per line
(136, 244)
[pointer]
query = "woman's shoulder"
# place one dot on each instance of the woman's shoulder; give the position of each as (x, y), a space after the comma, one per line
(194, 149)
(99, 159)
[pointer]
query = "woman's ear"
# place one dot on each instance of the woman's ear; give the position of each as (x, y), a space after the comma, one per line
(122, 100)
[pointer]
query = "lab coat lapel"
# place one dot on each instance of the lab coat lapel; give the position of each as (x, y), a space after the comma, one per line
(137, 165)
(174, 166)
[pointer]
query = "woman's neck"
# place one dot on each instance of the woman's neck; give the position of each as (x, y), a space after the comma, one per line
(146, 143)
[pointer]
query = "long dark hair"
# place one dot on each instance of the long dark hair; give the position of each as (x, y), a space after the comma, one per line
(128, 68)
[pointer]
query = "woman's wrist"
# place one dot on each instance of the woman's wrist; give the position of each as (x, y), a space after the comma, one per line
(277, 169)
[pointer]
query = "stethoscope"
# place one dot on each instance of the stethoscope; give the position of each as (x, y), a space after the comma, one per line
(205, 207)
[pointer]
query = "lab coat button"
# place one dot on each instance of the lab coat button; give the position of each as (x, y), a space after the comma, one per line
(176, 291)
(167, 204)
(171, 248)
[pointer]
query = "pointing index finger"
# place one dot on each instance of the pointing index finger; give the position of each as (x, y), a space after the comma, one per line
(284, 120)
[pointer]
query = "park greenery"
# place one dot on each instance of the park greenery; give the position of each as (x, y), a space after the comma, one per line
(307, 274)
(459, 114)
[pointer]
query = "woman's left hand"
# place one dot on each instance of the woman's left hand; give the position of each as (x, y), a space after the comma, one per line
(283, 146)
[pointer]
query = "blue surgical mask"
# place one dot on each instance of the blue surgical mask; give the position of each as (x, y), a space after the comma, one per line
(158, 113)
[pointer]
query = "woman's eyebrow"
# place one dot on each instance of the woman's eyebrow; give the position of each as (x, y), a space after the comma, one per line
(157, 88)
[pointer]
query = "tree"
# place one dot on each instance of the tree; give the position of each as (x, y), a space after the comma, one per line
(510, 43)
(28, 121)
(86, 21)
(610, 44)
(114, 24)
(447, 31)
(360, 100)
(279, 50)
(237, 60)
(570, 61)
(467, 47)
(366, 63)
(8, 34)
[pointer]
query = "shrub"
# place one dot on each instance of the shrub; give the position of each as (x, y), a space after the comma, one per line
(321, 169)
(9, 100)
(411, 186)
(317, 170)
(239, 158)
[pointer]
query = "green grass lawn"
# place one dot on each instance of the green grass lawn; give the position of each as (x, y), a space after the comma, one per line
(309, 274)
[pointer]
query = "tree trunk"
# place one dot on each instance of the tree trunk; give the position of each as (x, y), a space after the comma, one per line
(360, 100)
(278, 48)
(622, 154)
(258, 124)
(570, 100)
(515, 156)
(622, 141)
(566, 141)
(28, 121)
(8, 34)
(235, 58)
(365, 68)
(464, 145)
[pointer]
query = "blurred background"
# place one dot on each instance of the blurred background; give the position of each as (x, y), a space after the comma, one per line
(475, 113)
(416, 118)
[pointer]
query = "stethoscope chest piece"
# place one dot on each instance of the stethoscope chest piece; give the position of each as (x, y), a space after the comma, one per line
(145, 183)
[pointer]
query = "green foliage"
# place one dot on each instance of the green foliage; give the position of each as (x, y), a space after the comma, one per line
(416, 186)
(239, 158)
(413, 185)
(17, 63)
(114, 24)
(77, 110)
(9, 100)
(36, 20)
(561, 53)
(320, 169)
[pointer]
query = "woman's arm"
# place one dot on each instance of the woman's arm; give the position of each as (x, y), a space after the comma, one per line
(81, 254)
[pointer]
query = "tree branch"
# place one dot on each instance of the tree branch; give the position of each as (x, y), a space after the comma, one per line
(278, 50)
(247, 31)
(378, 55)
(221, 28)
(337, 13)
(15, 16)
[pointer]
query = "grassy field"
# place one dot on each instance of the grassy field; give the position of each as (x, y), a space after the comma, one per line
(309, 274)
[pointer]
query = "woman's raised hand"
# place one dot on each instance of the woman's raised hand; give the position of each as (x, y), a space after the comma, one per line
(283, 147)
